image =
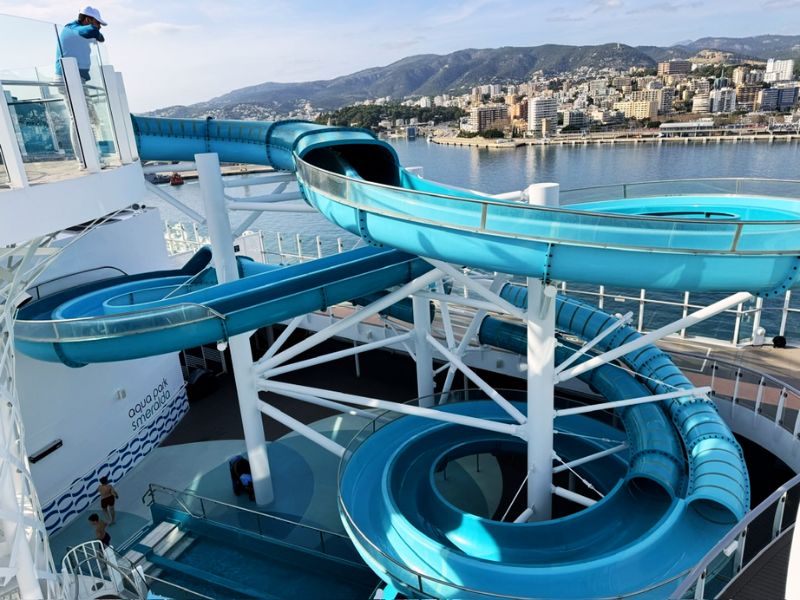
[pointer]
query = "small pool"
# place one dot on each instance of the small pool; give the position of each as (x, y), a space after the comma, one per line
(712, 207)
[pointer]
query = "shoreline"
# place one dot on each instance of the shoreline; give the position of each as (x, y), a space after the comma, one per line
(616, 139)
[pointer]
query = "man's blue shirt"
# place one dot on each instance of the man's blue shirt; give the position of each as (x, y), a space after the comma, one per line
(75, 40)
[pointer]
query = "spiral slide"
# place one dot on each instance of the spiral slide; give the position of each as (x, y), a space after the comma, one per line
(671, 495)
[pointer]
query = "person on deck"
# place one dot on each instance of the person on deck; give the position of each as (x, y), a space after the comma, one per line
(100, 532)
(108, 497)
(76, 39)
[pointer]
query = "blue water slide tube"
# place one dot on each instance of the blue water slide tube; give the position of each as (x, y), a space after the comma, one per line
(700, 243)
(654, 522)
(717, 471)
(155, 313)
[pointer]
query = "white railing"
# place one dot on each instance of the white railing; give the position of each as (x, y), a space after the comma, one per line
(744, 544)
(740, 386)
(735, 327)
(93, 570)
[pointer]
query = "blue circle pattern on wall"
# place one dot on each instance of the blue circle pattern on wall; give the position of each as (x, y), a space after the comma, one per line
(83, 490)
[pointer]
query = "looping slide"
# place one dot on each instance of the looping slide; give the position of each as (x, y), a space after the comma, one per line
(670, 495)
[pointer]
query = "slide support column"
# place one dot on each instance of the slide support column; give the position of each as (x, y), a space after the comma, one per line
(541, 321)
(219, 230)
(424, 356)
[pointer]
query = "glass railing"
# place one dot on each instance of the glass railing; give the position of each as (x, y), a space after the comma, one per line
(131, 323)
(301, 535)
(563, 225)
(36, 99)
(100, 111)
(42, 123)
(780, 188)
(41, 108)
(756, 533)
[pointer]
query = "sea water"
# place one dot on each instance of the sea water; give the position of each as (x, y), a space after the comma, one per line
(502, 170)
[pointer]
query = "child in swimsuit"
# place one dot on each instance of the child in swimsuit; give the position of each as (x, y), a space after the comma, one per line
(100, 532)
(108, 496)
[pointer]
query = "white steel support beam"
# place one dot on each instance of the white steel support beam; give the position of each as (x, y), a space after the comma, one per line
(476, 379)
(80, 112)
(343, 408)
(339, 326)
(626, 318)
(498, 303)
(574, 497)
(589, 458)
(495, 287)
(280, 387)
(649, 338)
(699, 392)
(26, 566)
(541, 323)
(285, 334)
(424, 362)
(167, 197)
(303, 429)
(318, 360)
(9, 147)
(219, 230)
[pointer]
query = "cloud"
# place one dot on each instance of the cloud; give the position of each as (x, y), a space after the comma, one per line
(463, 11)
(605, 5)
(782, 4)
(162, 28)
(664, 7)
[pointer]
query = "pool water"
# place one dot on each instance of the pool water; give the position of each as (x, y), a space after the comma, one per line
(279, 574)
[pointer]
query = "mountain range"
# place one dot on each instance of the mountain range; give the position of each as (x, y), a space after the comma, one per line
(455, 73)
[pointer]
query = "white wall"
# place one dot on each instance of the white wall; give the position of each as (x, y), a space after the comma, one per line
(81, 408)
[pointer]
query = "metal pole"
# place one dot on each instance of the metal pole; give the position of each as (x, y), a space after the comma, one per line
(541, 370)
(219, 230)
(424, 362)
(540, 319)
(653, 336)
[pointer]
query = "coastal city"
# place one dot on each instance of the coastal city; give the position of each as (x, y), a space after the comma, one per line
(700, 97)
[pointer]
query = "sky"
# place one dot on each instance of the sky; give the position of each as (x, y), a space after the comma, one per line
(173, 52)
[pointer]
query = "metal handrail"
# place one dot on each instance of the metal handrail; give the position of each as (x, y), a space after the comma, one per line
(95, 551)
(194, 593)
(154, 487)
(699, 570)
(489, 200)
(738, 367)
(673, 181)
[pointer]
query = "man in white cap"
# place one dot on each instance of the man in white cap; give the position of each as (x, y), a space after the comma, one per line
(76, 39)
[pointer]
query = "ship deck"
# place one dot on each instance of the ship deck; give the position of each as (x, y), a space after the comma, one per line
(194, 456)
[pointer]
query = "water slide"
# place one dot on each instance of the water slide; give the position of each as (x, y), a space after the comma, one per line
(669, 497)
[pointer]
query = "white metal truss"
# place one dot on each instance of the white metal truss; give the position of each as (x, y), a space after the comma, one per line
(26, 564)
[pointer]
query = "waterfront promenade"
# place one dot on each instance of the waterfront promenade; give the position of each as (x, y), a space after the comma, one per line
(650, 137)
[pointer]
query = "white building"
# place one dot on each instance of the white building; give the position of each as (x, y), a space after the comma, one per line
(722, 100)
(779, 70)
(543, 116)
